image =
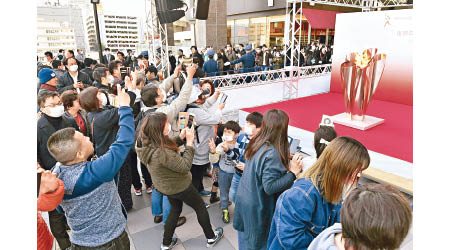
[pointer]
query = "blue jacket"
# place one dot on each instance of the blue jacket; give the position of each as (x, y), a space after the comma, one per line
(248, 62)
(211, 68)
(301, 215)
(91, 202)
(264, 178)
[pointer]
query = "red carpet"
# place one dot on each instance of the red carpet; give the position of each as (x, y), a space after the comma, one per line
(393, 138)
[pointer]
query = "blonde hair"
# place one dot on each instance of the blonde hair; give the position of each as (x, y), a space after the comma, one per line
(338, 164)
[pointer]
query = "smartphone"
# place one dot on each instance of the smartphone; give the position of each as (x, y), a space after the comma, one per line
(294, 146)
(124, 71)
(38, 183)
(113, 89)
(224, 98)
(183, 118)
(190, 121)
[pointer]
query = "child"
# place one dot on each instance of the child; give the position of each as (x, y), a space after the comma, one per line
(373, 216)
(252, 127)
(227, 155)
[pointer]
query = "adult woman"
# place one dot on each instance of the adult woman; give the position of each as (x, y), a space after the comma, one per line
(266, 174)
(171, 174)
(314, 201)
(322, 137)
(72, 108)
(104, 124)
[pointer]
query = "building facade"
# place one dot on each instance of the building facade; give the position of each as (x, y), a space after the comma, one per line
(52, 36)
(66, 14)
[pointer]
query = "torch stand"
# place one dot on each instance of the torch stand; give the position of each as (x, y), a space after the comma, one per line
(357, 122)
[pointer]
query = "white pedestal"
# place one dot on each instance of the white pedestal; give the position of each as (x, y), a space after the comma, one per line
(369, 121)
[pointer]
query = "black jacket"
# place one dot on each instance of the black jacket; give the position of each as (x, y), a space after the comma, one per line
(44, 131)
(106, 125)
(65, 82)
(106, 61)
(88, 71)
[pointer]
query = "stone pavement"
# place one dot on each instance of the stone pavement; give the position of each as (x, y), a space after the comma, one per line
(146, 235)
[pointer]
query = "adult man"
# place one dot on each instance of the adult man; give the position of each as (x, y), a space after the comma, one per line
(210, 68)
(248, 60)
(180, 56)
(172, 61)
(72, 79)
(80, 56)
(121, 56)
(196, 54)
(130, 60)
(58, 67)
(151, 75)
(47, 79)
(143, 60)
(70, 54)
(49, 57)
(230, 54)
(91, 202)
(89, 67)
(61, 54)
(266, 59)
(108, 57)
(52, 120)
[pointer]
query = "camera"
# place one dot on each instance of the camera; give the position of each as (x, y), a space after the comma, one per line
(124, 71)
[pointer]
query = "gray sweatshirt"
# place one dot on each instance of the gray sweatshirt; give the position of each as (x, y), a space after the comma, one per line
(325, 240)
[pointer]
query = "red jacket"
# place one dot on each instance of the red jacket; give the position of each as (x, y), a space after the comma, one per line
(47, 202)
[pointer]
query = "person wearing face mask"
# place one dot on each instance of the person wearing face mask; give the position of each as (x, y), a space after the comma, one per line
(72, 108)
(252, 127)
(227, 155)
(103, 121)
(51, 121)
(153, 98)
(47, 80)
(73, 79)
(205, 120)
(108, 57)
(101, 79)
(313, 203)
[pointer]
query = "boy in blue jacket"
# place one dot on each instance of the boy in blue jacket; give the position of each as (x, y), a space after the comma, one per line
(91, 202)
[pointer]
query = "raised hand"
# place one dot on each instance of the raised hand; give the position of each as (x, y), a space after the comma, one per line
(190, 136)
(296, 164)
(122, 98)
(49, 182)
(212, 145)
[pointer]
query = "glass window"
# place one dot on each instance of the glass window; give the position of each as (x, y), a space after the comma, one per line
(258, 31)
(241, 30)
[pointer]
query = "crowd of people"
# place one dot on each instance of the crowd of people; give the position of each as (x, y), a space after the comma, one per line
(95, 121)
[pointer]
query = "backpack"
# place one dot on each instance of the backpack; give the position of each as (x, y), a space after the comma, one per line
(137, 123)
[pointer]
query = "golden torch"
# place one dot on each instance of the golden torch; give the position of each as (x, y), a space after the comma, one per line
(360, 75)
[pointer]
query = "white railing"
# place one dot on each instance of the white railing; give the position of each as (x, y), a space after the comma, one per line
(270, 76)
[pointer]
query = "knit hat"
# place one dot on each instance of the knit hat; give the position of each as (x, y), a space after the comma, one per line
(210, 52)
(248, 47)
(46, 75)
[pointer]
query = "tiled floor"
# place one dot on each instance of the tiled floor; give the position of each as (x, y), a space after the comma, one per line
(146, 235)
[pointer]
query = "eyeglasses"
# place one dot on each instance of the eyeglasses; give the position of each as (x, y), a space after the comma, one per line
(53, 105)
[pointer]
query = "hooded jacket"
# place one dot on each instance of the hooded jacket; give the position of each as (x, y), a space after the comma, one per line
(325, 240)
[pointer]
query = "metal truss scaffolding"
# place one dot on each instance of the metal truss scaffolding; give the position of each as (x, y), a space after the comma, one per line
(158, 48)
(293, 28)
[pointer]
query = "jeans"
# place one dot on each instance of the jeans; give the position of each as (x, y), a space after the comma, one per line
(160, 205)
(234, 187)
(224, 186)
(58, 228)
(120, 243)
(241, 241)
(192, 198)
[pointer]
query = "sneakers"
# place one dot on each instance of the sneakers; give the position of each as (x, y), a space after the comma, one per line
(219, 235)
(137, 192)
(205, 193)
(149, 190)
(207, 205)
(214, 199)
(172, 244)
(225, 216)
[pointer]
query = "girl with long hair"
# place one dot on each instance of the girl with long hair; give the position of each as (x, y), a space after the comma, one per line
(314, 201)
(267, 173)
(171, 174)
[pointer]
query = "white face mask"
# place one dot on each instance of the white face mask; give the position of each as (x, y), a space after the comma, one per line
(228, 138)
(57, 111)
(73, 68)
(248, 130)
(169, 128)
(110, 79)
(104, 99)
